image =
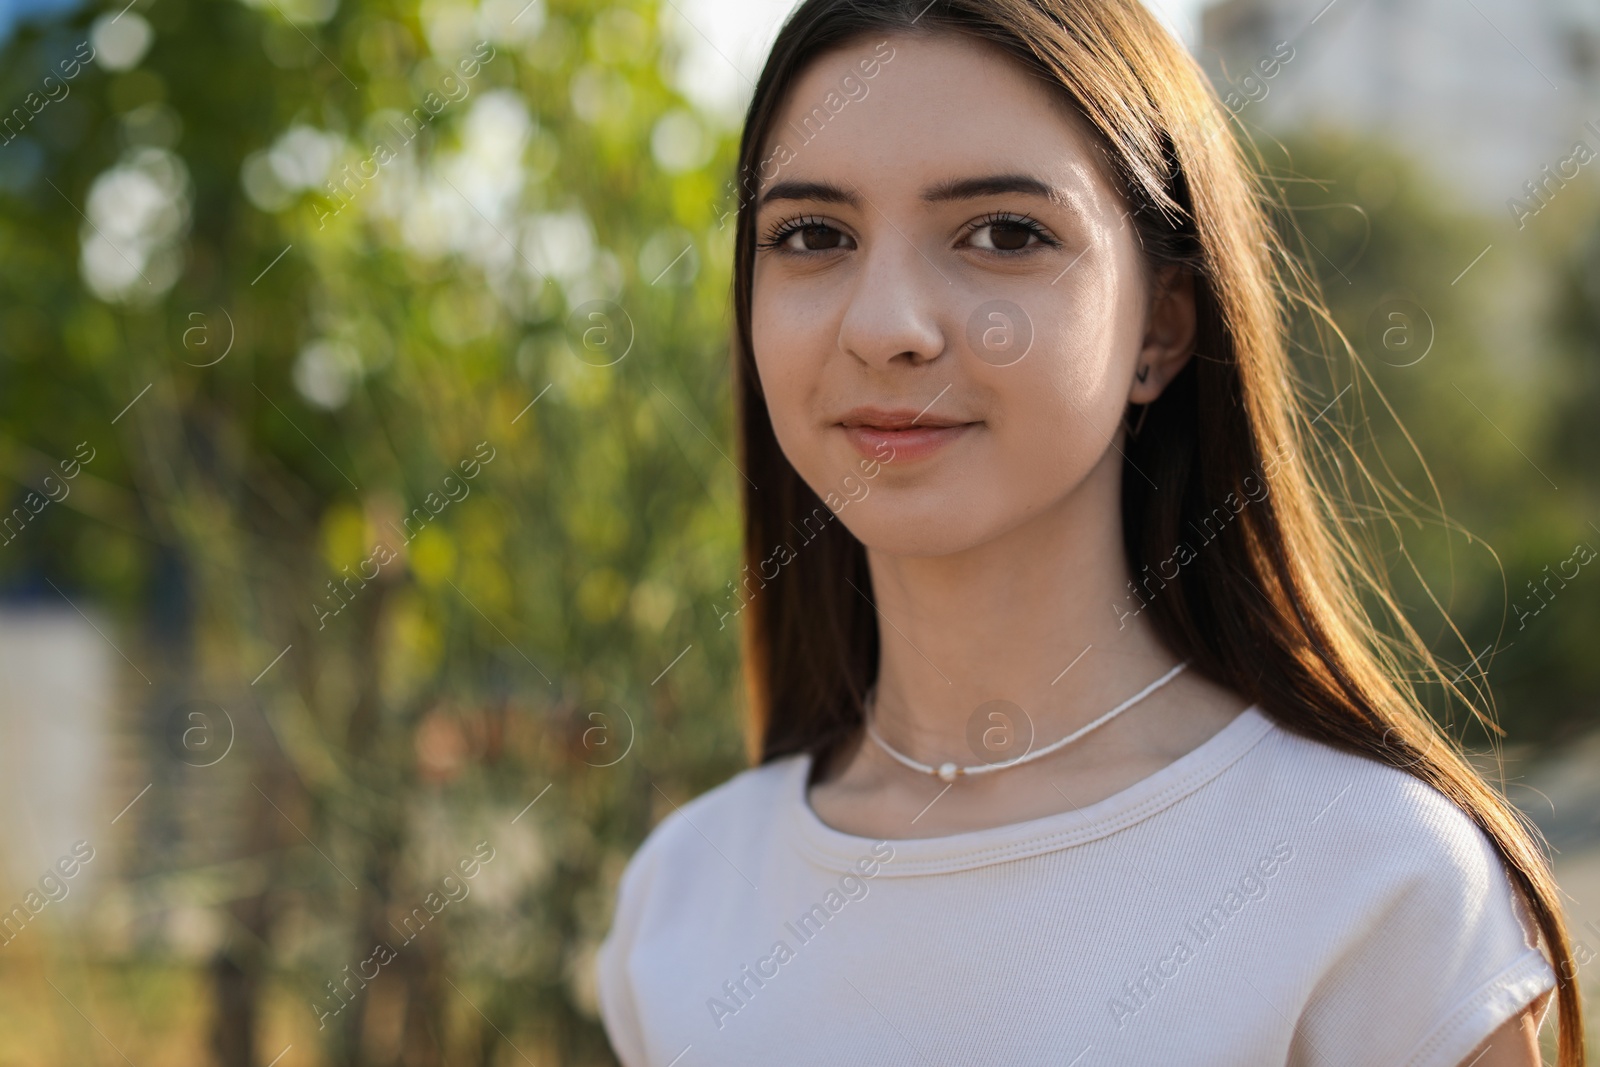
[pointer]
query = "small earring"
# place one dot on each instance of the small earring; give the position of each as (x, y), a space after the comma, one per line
(1144, 410)
(1144, 372)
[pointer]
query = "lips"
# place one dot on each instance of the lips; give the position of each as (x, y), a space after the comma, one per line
(900, 435)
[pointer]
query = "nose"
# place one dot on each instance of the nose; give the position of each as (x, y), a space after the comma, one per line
(895, 301)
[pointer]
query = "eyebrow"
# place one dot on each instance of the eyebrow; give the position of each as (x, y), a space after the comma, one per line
(825, 192)
(992, 185)
(943, 192)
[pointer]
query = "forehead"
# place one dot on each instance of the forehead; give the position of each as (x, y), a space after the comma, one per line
(941, 105)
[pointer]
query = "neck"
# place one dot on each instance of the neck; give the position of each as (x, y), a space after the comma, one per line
(1040, 617)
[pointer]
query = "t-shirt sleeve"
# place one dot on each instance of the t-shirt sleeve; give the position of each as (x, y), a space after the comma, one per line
(615, 988)
(1447, 953)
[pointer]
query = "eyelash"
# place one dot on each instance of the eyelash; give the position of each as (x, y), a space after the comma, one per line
(1032, 225)
(781, 231)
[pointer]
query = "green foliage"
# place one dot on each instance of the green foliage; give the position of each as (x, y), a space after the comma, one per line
(1485, 436)
(482, 548)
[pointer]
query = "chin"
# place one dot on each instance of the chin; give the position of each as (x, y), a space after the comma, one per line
(919, 524)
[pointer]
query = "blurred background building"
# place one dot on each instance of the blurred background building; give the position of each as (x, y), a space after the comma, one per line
(1482, 92)
(56, 745)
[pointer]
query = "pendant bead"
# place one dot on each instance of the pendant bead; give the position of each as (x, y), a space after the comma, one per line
(948, 771)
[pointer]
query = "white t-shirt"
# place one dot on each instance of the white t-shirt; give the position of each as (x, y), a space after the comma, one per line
(1264, 899)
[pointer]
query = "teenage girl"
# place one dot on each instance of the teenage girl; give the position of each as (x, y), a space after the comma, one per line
(1076, 740)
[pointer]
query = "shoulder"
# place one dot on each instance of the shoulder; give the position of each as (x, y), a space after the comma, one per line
(1401, 898)
(1372, 840)
(698, 856)
(1354, 806)
(735, 819)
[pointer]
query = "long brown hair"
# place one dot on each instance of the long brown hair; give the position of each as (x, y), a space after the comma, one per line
(1280, 607)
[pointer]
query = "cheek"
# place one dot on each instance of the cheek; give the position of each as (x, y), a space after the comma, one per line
(1085, 340)
(791, 350)
(1057, 410)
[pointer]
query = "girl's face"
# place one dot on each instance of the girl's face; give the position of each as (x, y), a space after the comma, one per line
(950, 310)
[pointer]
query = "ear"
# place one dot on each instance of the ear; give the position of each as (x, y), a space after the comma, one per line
(1170, 327)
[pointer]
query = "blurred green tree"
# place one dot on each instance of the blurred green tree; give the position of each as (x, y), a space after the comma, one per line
(421, 316)
(1473, 409)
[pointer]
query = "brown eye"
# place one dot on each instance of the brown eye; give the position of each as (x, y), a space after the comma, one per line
(1009, 236)
(803, 235)
(820, 238)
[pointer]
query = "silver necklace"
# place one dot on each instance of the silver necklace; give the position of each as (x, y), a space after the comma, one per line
(949, 772)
